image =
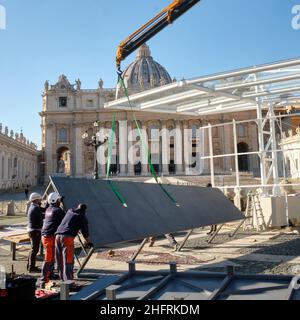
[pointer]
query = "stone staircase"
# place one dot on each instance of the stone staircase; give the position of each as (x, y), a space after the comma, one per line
(220, 180)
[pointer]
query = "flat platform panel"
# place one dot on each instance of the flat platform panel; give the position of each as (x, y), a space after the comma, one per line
(150, 212)
(249, 289)
(197, 286)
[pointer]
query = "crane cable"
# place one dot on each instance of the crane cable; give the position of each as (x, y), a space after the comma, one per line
(144, 146)
(108, 174)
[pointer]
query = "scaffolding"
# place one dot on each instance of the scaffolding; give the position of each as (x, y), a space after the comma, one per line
(267, 89)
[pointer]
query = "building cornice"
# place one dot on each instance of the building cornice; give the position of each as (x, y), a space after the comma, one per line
(18, 145)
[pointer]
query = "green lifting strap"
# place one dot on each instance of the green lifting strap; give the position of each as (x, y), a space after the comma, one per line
(144, 146)
(112, 185)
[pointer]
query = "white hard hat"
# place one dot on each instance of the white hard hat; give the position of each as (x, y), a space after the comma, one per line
(35, 196)
(53, 197)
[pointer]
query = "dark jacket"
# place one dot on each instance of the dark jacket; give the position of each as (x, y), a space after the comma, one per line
(73, 222)
(35, 217)
(53, 217)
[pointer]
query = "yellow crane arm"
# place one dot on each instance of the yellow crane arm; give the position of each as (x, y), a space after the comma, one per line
(151, 28)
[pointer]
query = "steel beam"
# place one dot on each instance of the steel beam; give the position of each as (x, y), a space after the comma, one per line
(216, 293)
(140, 248)
(182, 244)
(155, 289)
(86, 260)
(215, 234)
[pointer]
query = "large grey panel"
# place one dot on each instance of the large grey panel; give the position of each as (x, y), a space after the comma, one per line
(150, 212)
(194, 286)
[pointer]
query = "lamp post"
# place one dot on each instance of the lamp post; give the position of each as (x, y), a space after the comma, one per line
(96, 143)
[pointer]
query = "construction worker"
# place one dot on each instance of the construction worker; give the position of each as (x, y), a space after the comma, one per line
(53, 217)
(26, 191)
(35, 222)
(170, 237)
(213, 228)
(74, 221)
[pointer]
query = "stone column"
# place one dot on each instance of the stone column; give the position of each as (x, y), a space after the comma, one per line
(206, 149)
(186, 147)
(165, 148)
(226, 140)
(49, 152)
(130, 150)
(78, 151)
(5, 165)
(99, 95)
(3, 172)
(101, 153)
(23, 174)
(178, 148)
(1, 167)
(72, 149)
(78, 100)
(27, 169)
(144, 152)
(123, 146)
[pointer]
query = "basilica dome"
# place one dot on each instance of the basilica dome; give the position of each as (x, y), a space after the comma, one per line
(145, 73)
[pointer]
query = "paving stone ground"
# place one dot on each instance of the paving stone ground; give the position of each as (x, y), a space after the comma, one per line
(202, 242)
(271, 252)
(284, 244)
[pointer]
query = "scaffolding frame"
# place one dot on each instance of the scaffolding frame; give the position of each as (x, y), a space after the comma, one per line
(265, 89)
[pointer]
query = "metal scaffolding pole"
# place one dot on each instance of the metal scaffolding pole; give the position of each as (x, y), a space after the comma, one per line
(261, 142)
(261, 148)
(276, 180)
(211, 154)
(236, 157)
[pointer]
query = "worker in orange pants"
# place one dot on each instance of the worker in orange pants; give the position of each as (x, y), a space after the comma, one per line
(53, 217)
(74, 221)
(49, 260)
(65, 257)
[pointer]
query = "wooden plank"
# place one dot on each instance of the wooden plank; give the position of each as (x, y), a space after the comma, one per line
(17, 239)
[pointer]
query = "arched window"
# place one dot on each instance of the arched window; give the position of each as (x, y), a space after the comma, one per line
(63, 161)
(243, 159)
(63, 101)
(62, 135)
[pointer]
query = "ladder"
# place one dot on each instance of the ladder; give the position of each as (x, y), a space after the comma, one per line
(254, 215)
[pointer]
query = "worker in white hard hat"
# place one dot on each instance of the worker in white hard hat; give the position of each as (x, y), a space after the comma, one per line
(53, 218)
(35, 222)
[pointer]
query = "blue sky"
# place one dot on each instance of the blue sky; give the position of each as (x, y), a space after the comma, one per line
(44, 39)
